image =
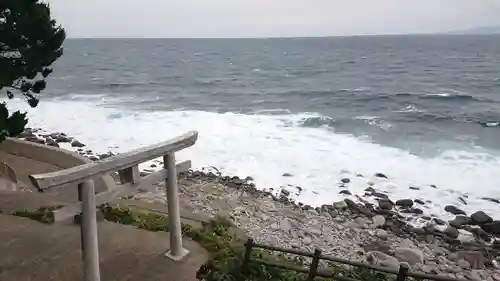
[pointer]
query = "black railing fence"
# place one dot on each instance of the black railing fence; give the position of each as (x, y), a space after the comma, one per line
(402, 274)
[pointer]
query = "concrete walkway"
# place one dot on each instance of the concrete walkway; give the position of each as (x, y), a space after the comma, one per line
(30, 250)
(34, 251)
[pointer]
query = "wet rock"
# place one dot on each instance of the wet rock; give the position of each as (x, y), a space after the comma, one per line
(414, 188)
(492, 227)
(385, 204)
(419, 201)
(365, 211)
(285, 192)
(380, 195)
(383, 260)
(345, 180)
(451, 232)
(494, 200)
(76, 143)
(287, 175)
(370, 189)
(405, 203)
(412, 211)
(460, 221)
(345, 192)
(380, 175)
(480, 234)
(439, 221)
(93, 158)
(480, 217)
(462, 200)
(433, 186)
(454, 210)
(409, 255)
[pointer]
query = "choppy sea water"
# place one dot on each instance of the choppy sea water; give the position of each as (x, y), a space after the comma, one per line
(424, 110)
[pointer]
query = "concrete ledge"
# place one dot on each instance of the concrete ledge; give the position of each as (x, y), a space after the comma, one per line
(55, 156)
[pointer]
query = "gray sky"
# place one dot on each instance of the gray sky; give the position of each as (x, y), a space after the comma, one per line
(265, 18)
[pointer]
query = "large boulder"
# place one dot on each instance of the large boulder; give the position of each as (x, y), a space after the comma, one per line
(454, 210)
(341, 205)
(383, 260)
(480, 218)
(409, 255)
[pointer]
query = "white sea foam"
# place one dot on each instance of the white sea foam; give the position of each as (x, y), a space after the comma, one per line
(266, 146)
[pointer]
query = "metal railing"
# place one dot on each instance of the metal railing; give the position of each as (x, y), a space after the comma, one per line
(402, 274)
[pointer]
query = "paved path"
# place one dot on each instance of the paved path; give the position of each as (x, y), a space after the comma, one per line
(34, 251)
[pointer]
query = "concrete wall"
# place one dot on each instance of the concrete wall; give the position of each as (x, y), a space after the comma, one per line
(55, 156)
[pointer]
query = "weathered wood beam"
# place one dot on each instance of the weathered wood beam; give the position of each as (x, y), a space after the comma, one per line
(122, 161)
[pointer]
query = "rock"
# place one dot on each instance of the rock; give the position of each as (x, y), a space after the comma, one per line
(462, 200)
(385, 204)
(380, 175)
(378, 221)
(480, 234)
(418, 230)
(370, 189)
(351, 204)
(345, 192)
(439, 221)
(451, 232)
(285, 192)
(473, 276)
(409, 255)
(433, 186)
(475, 259)
(287, 175)
(345, 180)
(414, 188)
(480, 217)
(383, 260)
(35, 140)
(417, 211)
(405, 203)
(382, 234)
(380, 195)
(362, 222)
(492, 227)
(494, 200)
(307, 241)
(419, 201)
(76, 143)
(460, 221)
(341, 205)
(93, 158)
(365, 211)
(463, 264)
(454, 210)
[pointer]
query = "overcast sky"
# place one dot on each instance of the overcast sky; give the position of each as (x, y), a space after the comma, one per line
(266, 18)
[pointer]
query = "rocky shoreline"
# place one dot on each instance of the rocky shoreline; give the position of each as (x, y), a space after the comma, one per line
(380, 231)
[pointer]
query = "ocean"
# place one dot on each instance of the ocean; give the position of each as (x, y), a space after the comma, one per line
(424, 110)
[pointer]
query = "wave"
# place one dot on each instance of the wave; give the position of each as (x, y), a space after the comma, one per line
(317, 122)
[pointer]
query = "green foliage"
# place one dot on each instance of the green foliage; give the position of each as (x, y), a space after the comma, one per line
(43, 214)
(226, 250)
(30, 42)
